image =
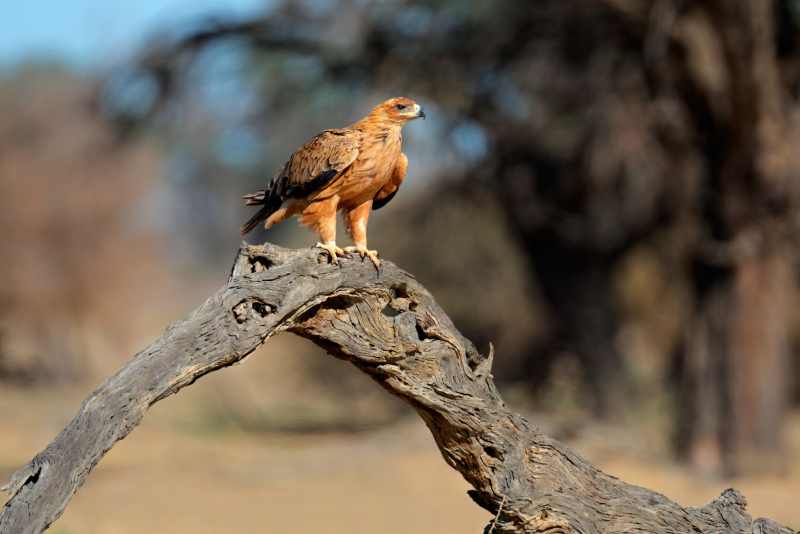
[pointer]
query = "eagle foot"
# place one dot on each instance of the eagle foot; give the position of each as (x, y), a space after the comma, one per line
(364, 252)
(333, 251)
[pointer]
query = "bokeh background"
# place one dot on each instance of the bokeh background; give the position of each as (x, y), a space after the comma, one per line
(605, 190)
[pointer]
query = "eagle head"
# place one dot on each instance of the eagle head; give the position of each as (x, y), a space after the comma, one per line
(399, 110)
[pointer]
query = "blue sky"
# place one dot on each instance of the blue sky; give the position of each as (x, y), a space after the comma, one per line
(91, 33)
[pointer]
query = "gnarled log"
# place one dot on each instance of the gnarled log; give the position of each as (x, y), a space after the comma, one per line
(390, 327)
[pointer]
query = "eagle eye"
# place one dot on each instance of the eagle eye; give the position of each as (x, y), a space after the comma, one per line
(400, 106)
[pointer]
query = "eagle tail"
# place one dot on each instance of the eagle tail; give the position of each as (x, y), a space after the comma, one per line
(269, 205)
(255, 220)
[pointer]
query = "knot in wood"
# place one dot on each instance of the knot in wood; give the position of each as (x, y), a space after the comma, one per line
(251, 309)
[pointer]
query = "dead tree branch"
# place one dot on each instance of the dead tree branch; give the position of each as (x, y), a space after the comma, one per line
(390, 327)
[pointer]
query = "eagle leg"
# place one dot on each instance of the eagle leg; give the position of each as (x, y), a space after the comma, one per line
(321, 216)
(357, 226)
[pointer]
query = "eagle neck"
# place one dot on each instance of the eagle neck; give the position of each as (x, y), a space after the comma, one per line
(376, 124)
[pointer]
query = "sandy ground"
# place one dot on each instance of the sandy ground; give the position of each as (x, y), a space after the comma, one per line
(171, 477)
(167, 477)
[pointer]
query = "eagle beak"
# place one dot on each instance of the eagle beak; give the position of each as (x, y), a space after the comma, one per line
(421, 113)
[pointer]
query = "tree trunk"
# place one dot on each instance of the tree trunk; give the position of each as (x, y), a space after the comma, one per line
(735, 368)
(702, 394)
(388, 326)
(759, 362)
(579, 286)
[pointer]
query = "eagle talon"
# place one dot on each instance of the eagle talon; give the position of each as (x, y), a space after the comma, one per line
(364, 252)
(333, 251)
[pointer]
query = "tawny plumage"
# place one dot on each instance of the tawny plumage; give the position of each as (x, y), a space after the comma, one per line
(355, 169)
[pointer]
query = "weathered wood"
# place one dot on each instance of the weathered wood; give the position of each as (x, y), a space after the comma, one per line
(388, 326)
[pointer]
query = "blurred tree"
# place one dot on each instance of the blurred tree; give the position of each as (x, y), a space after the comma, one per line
(598, 125)
(732, 66)
(66, 191)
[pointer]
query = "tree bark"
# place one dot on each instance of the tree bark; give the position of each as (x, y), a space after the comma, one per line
(389, 327)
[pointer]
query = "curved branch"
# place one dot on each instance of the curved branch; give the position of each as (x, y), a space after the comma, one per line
(391, 328)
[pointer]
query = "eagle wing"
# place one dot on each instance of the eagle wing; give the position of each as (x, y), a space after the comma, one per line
(388, 191)
(316, 164)
(308, 171)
